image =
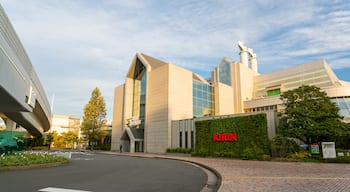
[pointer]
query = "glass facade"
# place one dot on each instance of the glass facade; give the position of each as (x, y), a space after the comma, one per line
(139, 100)
(225, 73)
(344, 106)
(203, 99)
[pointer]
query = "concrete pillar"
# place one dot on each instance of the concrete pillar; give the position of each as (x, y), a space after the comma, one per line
(132, 145)
(10, 125)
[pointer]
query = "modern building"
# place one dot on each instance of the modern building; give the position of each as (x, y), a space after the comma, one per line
(65, 123)
(157, 93)
(23, 102)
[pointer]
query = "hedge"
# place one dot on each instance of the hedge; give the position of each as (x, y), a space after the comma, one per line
(252, 137)
(178, 150)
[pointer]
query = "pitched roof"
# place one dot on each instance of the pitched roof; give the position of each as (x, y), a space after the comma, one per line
(153, 62)
(149, 62)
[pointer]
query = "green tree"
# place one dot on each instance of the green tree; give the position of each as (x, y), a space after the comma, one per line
(49, 139)
(69, 138)
(65, 140)
(58, 140)
(94, 118)
(311, 116)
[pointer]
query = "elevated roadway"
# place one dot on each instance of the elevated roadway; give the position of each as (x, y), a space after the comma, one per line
(22, 97)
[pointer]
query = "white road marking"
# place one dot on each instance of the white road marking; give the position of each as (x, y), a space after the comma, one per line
(54, 189)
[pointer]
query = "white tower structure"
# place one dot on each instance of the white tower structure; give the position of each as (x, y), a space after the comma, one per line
(253, 62)
(245, 51)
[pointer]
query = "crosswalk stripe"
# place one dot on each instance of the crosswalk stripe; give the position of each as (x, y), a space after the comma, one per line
(54, 189)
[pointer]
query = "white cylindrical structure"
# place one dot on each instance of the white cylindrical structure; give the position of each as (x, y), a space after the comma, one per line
(254, 64)
(244, 57)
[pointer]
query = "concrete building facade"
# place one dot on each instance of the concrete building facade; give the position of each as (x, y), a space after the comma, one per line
(152, 96)
(65, 123)
(156, 95)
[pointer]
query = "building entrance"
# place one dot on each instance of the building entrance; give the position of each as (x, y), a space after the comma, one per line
(138, 146)
(133, 140)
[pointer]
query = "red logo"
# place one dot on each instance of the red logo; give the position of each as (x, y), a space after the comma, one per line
(222, 137)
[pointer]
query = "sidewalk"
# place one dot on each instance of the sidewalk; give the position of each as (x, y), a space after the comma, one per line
(269, 176)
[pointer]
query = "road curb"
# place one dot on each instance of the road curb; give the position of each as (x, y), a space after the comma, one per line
(33, 166)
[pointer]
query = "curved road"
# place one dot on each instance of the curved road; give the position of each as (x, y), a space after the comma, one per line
(107, 173)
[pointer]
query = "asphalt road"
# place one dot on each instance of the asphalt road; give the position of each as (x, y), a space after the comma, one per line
(107, 173)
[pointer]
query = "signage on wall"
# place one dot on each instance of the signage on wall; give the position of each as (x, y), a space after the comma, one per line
(328, 150)
(315, 149)
(224, 137)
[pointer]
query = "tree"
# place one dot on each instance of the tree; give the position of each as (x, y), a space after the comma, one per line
(58, 141)
(49, 139)
(65, 140)
(69, 138)
(94, 118)
(282, 146)
(311, 116)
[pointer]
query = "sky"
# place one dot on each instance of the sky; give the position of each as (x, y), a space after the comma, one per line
(77, 45)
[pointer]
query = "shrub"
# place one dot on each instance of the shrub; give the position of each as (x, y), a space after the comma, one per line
(266, 157)
(179, 150)
(20, 159)
(200, 153)
(282, 146)
(101, 147)
(339, 159)
(39, 148)
(299, 155)
(248, 153)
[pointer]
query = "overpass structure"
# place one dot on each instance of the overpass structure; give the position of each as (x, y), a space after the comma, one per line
(23, 100)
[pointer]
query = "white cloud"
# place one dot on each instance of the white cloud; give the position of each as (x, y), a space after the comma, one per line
(78, 45)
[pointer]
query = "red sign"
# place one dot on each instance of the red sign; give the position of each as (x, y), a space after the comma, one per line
(222, 137)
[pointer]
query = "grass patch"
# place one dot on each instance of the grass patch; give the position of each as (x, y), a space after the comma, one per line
(21, 159)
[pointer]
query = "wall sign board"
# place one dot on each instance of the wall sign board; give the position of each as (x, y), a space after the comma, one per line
(224, 137)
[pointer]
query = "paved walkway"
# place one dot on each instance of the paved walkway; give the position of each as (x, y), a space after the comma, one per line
(266, 176)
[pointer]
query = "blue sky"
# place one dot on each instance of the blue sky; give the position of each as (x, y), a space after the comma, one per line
(77, 45)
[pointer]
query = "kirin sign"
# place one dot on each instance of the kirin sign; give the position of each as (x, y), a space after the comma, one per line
(224, 137)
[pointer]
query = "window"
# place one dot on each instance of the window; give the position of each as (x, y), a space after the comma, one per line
(225, 73)
(180, 139)
(186, 139)
(139, 89)
(343, 105)
(203, 101)
(192, 139)
(273, 92)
